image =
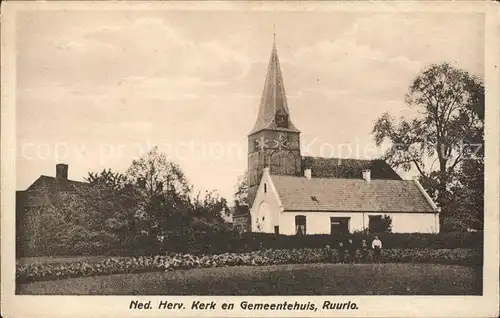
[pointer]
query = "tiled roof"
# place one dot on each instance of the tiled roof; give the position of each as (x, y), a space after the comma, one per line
(273, 98)
(331, 194)
(348, 168)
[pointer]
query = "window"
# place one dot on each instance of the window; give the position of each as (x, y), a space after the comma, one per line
(339, 225)
(276, 230)
(282, 121)
(265, 187)
(300, 225)
(374, 223)
(379, 223)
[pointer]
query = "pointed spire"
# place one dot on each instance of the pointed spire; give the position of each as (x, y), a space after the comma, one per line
(273, 100)
(274, 34)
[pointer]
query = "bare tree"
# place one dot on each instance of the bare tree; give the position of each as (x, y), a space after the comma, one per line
(450, 107)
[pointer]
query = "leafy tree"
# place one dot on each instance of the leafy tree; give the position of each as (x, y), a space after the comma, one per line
(171, 215)
(39, 231)
(450, 107)
(109, 188)
(157, 175)
(241, 190)
(166, 220)
(210, 205)
(99, 218)
(164, 196)
(467, 194)
(114, 180)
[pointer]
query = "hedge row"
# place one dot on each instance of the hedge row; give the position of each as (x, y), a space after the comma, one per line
(389, 240)
(233, 242)
(216, 243)
(119, 265)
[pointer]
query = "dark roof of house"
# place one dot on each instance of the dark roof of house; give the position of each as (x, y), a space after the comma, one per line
(56, 184)
(349, 195)
(348, 168)
(44, 190)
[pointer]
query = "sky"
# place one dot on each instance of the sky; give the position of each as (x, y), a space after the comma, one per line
(96, 89)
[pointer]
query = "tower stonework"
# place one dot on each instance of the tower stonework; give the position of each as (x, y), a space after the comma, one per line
(274, 141)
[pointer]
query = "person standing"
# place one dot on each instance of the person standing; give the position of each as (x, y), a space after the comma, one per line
(329, 253)
(341, 252)
(364, 250)
(377, 248)
(352, 251)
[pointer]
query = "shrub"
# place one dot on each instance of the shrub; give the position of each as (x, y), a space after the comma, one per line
(172, 261)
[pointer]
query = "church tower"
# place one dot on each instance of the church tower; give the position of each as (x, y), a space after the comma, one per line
(274, 140)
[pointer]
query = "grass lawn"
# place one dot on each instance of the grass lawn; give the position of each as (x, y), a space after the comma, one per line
(300, 279)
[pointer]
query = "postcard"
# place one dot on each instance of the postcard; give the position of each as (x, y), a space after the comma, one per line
(266, 159)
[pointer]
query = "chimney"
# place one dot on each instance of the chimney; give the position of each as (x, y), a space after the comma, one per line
(307, 173)
(367, 175)
(61, 171)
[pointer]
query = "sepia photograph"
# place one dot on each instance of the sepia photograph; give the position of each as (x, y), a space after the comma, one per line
(249, 153)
